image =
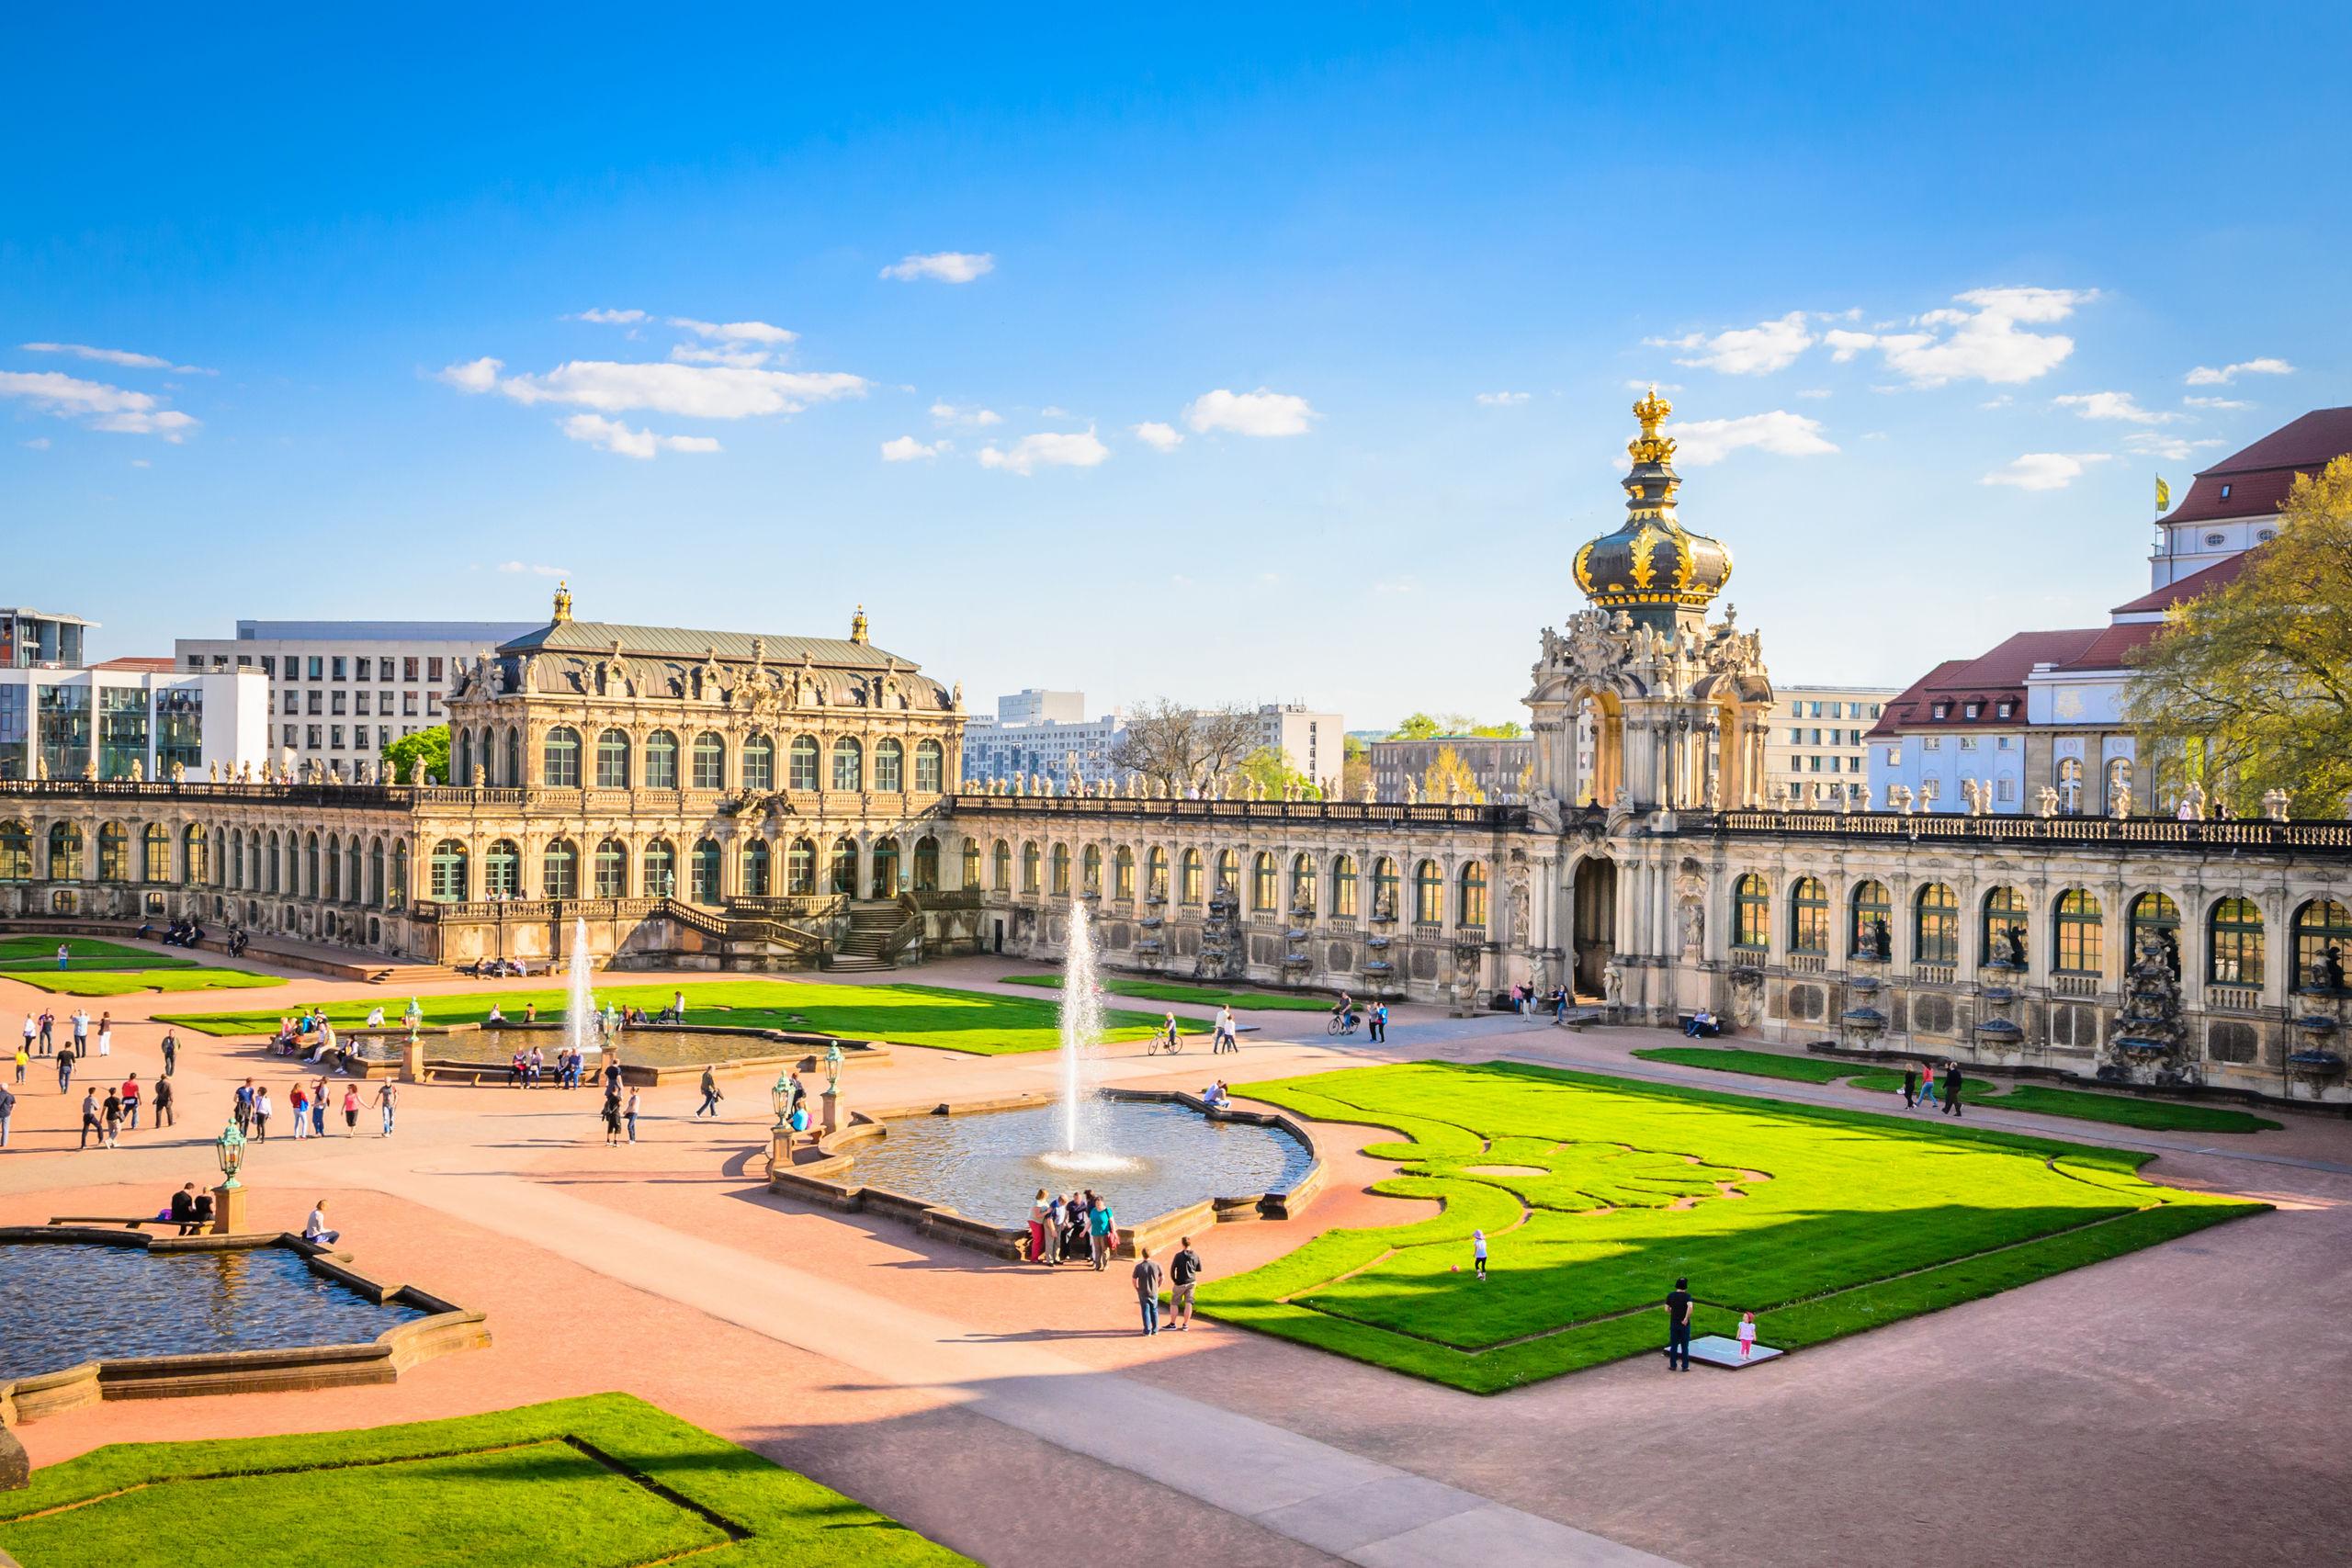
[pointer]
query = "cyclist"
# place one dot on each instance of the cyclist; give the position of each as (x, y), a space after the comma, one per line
(1343, 1015)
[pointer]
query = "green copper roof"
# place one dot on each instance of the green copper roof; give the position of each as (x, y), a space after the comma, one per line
(678, 642)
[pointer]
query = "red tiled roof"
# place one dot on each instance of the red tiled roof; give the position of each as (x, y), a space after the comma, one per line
(1985, 680)
(2259, 477)
(150, 666)
(2188, 587)
(2109, 650)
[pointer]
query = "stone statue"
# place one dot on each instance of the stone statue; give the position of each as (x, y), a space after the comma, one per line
(179, 772)
(2017, 948)
(833, 1068)
(90, 769)
(2274, 804)
(1881, 939)
(1368, 790)
(1612, 981)
(138, 769)
(2045, 802)
(1412, 791)
(2196, 800)
(2120, 806)
(41, 767)
(1862, 793)
(1694, 928)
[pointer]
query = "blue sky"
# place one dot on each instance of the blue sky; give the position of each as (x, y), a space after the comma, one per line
(1285, 353)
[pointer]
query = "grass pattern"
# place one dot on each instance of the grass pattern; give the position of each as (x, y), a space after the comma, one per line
(1202, 996)
(121, 982)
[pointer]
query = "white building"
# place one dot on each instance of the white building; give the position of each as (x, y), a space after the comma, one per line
(1816, 737)
(126, 714)
(1037, 732)
(339, 692)
(1315, 744)
(36, 637)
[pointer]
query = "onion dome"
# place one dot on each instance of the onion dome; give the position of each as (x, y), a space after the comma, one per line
(1652, 561)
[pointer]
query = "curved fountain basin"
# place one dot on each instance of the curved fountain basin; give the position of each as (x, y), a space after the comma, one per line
(988, 1165)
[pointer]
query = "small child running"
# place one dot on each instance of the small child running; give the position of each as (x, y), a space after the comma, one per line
(1747, 1335)
(1478, 1251)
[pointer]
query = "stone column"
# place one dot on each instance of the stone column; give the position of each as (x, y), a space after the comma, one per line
(228, 1211)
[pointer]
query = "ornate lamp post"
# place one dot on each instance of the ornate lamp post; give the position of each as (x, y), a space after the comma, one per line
(780, 1096)
(229, 1197)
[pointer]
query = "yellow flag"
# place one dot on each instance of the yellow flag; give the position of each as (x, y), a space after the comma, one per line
(2164, 494)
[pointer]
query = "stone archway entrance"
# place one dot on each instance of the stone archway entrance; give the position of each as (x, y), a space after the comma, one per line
(1593, 918)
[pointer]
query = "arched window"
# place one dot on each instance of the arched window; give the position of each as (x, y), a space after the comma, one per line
(926, 864)
(1001, 871)
(702, 871)
(1471, 906)
(561, 867)
(2079, 948)
(889, 766)
(1301, 882)
(2154, 918)
(270, 865)
(515, 779)
(562, 759)
(801, 867)
(1122, 873)
(351, 864)
(2070, 785)
(1261, 882)
(64, 852)
(396, 893)
(1935, 931)
(253, 858)
(710, 762)
(2233, 944)
(1062, 870)
(502, 870)
(661, 870)
(1228, 873)
(309, 866)
(883, 879)
(661, 760)
(236, 862)
(1429, 894)
(375, 872)
(930, 765)
(1808, 915)
(1343, 888)
(1191, 891)
(844, 866)
(448, 871)
(197, 863)
(755, 867)
(1383, 889)
(113, 852)
(2320, 925)
(1090, 871)
(611, 869)
(612, 760)
(16, 851)
(334, 869)
(462, 771)
(1030, 863)
(2005, 928)
(1155, 874)
(971, 862)
(849, 764)
(804, 762)
(758, 763)
(1751, 913)
(1872, 933)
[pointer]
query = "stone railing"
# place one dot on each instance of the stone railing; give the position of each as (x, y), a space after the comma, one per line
(2075, 984)
(1807, 963)
(1377, 813)
(2320, 835)
(1933, 973)
(396, 796)
(2233, 998)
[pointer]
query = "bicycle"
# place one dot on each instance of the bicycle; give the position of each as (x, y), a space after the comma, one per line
(1340, 1026)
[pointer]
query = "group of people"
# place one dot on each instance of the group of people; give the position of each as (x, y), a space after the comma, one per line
(1920, 1088)
(1525, 999)
(107, 1120)
(1184, 1273)
(618, 1115)
(312, 1102)
(181, 934)
(1080, 1229)
(1344, 1016)
(524, 1068)
(487, 968)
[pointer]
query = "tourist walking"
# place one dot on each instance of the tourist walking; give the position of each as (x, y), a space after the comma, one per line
(1226, 1034)
(1184, 1271)
(65, 1072)
(298, 1100)
(1101, 1236)
(241, 1107)
(386, 1101)
(261, 1115)
(130, 1102)
(31, 1029)
(106, 1034)
(1678, 1326)
(171, 1052)
(1479, 1252)
(611, 1118)
(1927, 1086)
(314, 1229)
(351, 1111)
(710, 1095)
(163, 1117)
(1379, 1023)
(81, 1031)
(1146, 1278)
(1747, 1335)
(1041, 1228)
(48, 1024)
(319, 1108)
(7, 1110)
(1952, 1090)
(629, 1115)
(24, 1059)
(1910, 1088)
(114, 1117)
(90, 1123)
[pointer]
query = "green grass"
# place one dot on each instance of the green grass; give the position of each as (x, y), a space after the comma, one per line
(1204, 995)
(123, 982)
(2154, 1115)
(906, 1015)
(82, 952)
(518, 1489)
(1821, 1221)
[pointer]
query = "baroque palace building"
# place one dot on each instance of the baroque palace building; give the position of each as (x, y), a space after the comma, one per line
(739, 802)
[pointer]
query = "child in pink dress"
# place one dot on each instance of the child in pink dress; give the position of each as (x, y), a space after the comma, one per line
(1746, 1334)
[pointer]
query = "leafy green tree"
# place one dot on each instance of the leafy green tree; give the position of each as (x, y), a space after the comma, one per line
(1449, 769)
(1507, 730)
(413, 756)
(2249, 687)
(1417, 726)
(1269, 767)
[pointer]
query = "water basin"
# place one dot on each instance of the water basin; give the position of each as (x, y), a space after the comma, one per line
(639, 1047)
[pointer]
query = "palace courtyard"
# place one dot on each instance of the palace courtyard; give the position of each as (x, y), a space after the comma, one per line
(2019, 1337)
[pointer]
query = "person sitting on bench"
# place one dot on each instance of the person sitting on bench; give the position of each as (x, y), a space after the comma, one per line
(1702, 1026)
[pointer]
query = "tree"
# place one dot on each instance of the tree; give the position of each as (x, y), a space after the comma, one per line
(1450, 769)
(1507, 730)
(2249, 686)
(413, 756)
(1417, 726)
(1269, 768)
(1182, 748)
(1355, 768)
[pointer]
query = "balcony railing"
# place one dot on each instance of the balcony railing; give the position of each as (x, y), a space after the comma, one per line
(2331, 834)
(2075, 984)
(2233, 998)
(1808, 962)
(1380, 812)
(1933, 973)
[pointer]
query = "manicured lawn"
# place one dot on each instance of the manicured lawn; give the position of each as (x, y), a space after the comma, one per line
(1820, 1221)
(81, 952)
(1202, 996)
(2156, 1116)
(123, 982)
(906, 1015)
(604, 1482)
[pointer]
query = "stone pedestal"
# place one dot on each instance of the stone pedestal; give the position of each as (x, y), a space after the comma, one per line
(780, 1151)
(832, 1099)
(412, 1060)
(228, 1211)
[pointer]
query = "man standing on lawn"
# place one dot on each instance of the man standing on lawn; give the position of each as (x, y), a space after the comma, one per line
(1952, 1090)
(1678, 1326)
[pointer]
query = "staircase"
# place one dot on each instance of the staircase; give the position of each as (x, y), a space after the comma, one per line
(870, 928)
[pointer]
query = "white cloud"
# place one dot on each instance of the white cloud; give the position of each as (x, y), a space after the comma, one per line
(1161, 438)
(611, 318)
(2114, 405)
(1503, 399)
(2216, 403)
(1745, 351)
(1261, 413)
(2171, 448)
(38, 444)
(140, 463)
(536, 570)
(2044, 470)
(906, 449)
(2206, 376)
(946, 266)
(736, 332)
(948, 413)
(1047, 449)
(1638, 385)
(614, 437)
(696, 391)
(1815, 392)
(106, 407)
(1982, 344)
(1712, 440)
(121, 356)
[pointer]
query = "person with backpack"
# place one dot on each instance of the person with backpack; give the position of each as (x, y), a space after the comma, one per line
(1184, 1273)
(710, 1095)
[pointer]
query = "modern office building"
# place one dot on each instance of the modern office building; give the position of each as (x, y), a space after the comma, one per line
(1041, 732)
(29, 637)
(1315, 744)
(126, 718)
(1815, 740)
(1498, 765)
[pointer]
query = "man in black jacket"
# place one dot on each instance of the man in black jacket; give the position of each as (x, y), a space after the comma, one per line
(1678, 1326)
(1952, 1090)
